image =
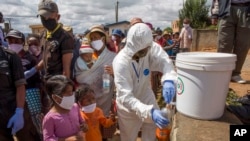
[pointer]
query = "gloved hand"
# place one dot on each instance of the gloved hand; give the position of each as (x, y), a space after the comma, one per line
(168, 91)
(30, 73)
(16, 122)
(159, 119)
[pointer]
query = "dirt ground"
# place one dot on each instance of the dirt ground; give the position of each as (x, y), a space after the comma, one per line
(240, 89)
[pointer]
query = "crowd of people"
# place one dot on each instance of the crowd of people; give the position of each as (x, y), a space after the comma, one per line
(54, 88)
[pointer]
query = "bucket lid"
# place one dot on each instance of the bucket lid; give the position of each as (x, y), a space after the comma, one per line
(206, 57)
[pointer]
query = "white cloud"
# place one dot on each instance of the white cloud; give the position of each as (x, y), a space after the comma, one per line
(81, 14)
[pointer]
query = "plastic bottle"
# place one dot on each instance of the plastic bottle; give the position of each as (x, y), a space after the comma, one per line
(106, 82)
(164, 134)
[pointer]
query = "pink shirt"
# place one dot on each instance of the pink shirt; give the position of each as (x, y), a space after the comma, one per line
(57, 125)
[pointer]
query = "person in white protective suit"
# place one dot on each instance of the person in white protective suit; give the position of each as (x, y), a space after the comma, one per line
(136, 104)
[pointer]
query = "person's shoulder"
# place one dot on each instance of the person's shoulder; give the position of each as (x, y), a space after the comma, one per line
(51, 115)
(65, 33)
(155, 44)
(111, 53)
(98, 110)
(8, 51)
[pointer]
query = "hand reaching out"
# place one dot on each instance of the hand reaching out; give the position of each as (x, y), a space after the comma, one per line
(84, 127)
(112, 116)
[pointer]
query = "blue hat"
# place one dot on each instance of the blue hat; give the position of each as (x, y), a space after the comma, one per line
(117, 32)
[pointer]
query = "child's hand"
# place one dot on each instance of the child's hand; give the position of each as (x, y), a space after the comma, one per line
(112, 116)
(84, 127)
(78, 137)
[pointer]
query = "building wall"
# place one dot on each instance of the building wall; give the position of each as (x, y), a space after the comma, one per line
(124, 27)
(37, 28)
(175, 26)
(204, 40)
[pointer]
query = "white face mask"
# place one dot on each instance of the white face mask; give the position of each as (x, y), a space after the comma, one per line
(35, 50)
(16, 47)
(158, 37)
(186, 25)
(97, 44)
(89, 109)
(67, 102)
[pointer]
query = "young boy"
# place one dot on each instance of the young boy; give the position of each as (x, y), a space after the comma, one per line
(93, 115)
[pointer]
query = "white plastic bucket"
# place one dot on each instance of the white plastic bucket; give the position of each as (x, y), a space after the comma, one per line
(202, 84)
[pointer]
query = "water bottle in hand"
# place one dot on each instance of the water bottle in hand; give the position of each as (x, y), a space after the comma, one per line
(106, 82)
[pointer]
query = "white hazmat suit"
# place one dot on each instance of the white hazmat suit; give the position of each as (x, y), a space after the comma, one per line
(135, 98)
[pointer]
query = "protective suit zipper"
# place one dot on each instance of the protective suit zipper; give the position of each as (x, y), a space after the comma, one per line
(136, 72)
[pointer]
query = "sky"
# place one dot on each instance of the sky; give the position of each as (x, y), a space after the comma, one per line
(82, 14)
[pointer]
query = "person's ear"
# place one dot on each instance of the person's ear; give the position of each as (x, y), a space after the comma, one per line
(56, 98)
(58, 17)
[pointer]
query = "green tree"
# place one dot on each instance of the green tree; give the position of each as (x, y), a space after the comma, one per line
(168, 29)
(197, 12)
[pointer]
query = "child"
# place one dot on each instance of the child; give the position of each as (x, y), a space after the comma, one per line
(63, 121)
(85, 60)
(92, 114)
(176, 48)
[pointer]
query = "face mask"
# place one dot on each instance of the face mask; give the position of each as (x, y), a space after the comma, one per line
(34, 50)
(16, 47)
(67, 102)
(50, 24)
(89, 109)
(142, 53)
(157, 37)
(97, 45)
(186, 25)
(113, 38)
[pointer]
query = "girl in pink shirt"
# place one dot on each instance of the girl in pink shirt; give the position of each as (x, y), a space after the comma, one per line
(63, 121)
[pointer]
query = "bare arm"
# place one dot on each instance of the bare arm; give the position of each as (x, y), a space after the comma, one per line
(40, 65)
(66, 60)
(20, 95)
(169, 47)
(214, 12)
(79, 137)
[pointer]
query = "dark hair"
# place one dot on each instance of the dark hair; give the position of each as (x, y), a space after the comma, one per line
(176, 33)
(34, 36)
(57, 85)
(83, 90)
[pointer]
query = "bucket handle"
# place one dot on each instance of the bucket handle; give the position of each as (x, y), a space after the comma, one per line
(200, 67)
(210, 68)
